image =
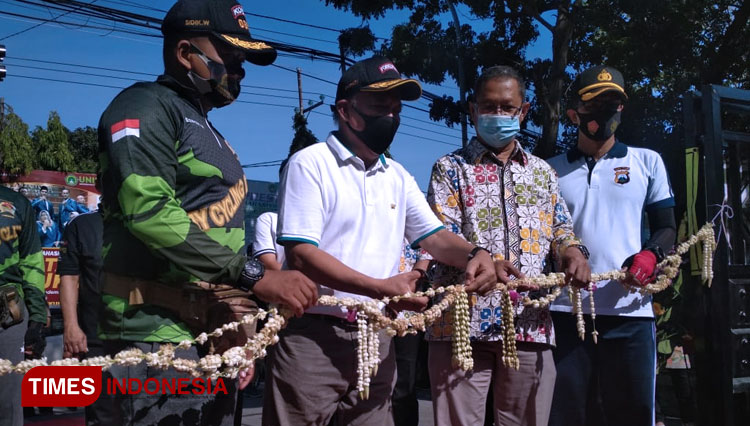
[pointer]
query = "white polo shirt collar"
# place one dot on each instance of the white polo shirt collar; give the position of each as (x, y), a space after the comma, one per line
(618, 150)
(343, 153)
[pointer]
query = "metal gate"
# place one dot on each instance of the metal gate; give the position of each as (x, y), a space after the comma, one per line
(717, 173)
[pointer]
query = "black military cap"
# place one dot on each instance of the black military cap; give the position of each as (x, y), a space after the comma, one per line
(597, 80)
(376, 74)
(225, 19)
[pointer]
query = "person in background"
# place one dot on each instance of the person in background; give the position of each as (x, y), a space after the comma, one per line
(265, 247)
(79, 268)
(70, 207)
(41, 203)
(23, 307)
(81, 201)
(49, 232)
(67, 206)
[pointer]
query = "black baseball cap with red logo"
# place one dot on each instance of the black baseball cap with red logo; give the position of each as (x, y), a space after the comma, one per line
(224, 19)
(377, 74)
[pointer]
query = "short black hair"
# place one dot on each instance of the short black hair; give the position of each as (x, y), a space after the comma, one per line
(499, 72)
(170, 43)
(43, 188)
(335, 115)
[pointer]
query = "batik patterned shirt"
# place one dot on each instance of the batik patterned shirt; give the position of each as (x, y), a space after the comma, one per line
(514, 210)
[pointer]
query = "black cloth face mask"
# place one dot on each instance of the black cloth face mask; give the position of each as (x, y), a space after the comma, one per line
(607, 119)
(379, 130)
(220, 89)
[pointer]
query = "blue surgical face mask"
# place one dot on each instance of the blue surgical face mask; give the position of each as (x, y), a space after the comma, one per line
(497, 131)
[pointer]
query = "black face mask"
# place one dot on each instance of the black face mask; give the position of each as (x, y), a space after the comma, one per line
(379, 131)
(608, 121)
(220, 89)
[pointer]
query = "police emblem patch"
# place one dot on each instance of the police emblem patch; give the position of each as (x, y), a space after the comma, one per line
(622, 175)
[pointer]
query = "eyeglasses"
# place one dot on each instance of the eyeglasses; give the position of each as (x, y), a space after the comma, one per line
(506, 110)
(231, 60)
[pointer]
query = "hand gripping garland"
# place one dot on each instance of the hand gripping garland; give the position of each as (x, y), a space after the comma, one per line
(370, 320)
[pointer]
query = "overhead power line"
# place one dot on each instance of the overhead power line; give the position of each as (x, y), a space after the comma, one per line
(109, 86)
(152, 75)
(125, 71)
(95, 11)
(37, 25)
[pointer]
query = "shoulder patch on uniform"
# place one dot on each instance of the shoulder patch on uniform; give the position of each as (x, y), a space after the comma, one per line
(127, 127)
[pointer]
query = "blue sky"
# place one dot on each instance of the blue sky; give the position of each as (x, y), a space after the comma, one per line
(257, 132)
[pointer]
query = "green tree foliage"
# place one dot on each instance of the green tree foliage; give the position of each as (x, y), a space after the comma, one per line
(84, 145)
(17, 152)
(303, 137)
(664, 49)
(53, 147)
(426, 46)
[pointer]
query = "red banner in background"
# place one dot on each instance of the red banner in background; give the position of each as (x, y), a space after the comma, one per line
(80, 186)
(51, 279)
(77, 183)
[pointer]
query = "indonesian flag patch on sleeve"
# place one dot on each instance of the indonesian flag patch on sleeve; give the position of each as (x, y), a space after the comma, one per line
(129, 127)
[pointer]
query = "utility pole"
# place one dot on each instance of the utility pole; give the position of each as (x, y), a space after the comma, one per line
(461, 75)
(299, 89)
(2, 58)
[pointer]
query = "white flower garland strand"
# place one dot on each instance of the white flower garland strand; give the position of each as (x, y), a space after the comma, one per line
(575, 300)
(594, 333)
(510, 354)
(461, 344)
(370, 320)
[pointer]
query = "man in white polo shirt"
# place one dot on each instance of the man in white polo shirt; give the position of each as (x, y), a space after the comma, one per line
(344, 212)
(265, 247)
(607, 186)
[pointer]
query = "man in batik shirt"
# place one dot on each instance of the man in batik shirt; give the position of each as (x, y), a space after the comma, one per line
(501, 198)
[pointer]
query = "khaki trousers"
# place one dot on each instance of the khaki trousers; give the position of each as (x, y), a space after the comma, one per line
(311, 376)
(521, 397)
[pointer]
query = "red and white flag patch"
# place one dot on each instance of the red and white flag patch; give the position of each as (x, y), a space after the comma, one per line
(129, 127)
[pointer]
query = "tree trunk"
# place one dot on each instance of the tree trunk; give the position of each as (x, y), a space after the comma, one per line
(553, 88)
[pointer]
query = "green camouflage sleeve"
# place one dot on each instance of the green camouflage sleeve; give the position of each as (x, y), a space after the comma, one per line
(138, 133)
(31, 265)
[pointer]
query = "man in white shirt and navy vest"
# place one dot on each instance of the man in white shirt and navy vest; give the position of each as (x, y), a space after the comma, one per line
(607, 185)
(344, 212)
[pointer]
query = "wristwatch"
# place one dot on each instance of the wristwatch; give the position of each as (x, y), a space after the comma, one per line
(251, 274)
(583, 249)
(473, 253)
(657, 251)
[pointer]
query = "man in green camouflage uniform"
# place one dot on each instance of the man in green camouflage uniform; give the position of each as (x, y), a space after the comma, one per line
(173, 207)
(23, 308)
